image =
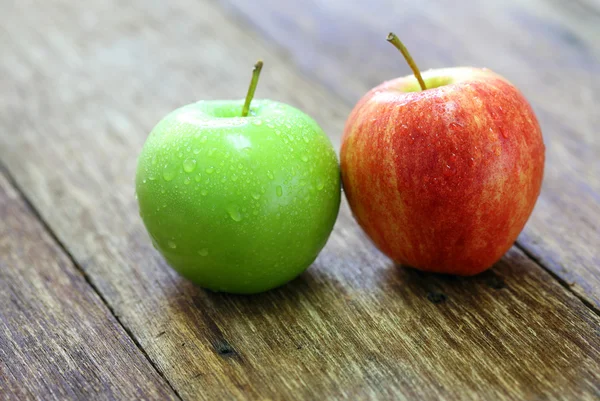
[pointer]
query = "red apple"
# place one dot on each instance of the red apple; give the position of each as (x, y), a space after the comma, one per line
(443, 179)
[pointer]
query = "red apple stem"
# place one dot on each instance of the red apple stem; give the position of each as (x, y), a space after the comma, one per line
(393, 39)
(252, 88)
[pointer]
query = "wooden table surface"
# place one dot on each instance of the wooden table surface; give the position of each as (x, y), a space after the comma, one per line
(89, 310)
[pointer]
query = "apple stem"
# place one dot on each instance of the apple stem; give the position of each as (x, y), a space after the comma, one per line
(252, 88)
(393, 39)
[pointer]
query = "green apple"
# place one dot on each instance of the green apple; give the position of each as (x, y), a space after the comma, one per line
(238, 199)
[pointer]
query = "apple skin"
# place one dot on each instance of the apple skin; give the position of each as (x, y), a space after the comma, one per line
(238, 204)
(443, 180)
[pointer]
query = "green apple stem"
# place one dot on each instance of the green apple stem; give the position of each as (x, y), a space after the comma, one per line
(252, 88)
(393, 39)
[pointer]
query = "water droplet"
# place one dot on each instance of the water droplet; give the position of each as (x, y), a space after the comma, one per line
(212, 151)
(305, 158)
(234, 213)
(279, 190)
(210, 170)
(151, 176)
(204, 192)
(257, 122)
(189, 165)
(203, 139)
(172, 244)
(277, 132)
(234, 177)
(305, 139)
(169, 172)
(270, 175)
(198, 177)
(320, 184)
(256, 196)
(180, 154)
(449, 170)
(154, 160)
(203, 252)
(187, 180)
(270, 126)
(144, 181)
(196, 151)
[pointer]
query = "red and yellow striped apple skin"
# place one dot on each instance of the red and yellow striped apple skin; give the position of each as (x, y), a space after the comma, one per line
(443, 180)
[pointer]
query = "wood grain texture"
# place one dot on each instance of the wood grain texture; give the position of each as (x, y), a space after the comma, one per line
(82, 85)
(57, 339)
(547, 48)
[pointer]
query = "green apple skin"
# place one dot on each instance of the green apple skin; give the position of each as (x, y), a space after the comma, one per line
(238, 204)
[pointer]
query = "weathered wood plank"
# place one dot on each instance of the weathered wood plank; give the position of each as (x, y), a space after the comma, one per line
(57, 339)
(548, 48)
(78, 98)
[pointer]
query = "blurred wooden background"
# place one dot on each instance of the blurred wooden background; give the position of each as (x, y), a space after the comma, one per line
(89, 310)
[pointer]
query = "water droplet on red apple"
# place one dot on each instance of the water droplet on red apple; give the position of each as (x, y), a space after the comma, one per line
(454, 126)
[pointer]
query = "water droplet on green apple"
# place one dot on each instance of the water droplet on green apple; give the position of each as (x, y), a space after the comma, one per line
(154, 160)
(187, 180)
(204, 192)
(172, 244)
(196, 151)
(279, 190)
(320, 183)
(277, 132)
(270, 125)
(270, 175)
(305, 158)
(234, 213)
(305, 139)
(256, 196)
(203, 252)
(169, 172)
(189, 165)
(257, 122)
(144, 181)
(198, 177)
(210, 170)
(203, 139)
(234, 177)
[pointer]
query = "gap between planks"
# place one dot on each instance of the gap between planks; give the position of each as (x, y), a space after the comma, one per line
(4, 170)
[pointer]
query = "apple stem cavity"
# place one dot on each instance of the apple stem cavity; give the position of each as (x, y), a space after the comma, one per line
(393, 39)
(252, 88)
